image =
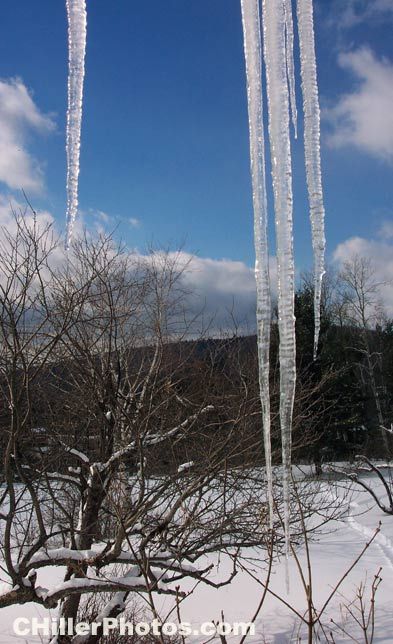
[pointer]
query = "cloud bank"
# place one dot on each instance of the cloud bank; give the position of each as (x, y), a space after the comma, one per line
(224, 290)
(221, 290)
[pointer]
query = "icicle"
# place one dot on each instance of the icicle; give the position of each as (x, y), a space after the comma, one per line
(290, 61)
(76, 13)
(312, 150)
(253, 57)
(280, 151)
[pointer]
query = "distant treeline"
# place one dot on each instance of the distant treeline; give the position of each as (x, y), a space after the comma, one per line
(343, 406)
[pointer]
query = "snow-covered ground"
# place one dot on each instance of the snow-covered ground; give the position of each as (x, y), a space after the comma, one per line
(331, 556)
(333, 553)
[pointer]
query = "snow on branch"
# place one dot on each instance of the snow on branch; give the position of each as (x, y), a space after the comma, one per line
(54, 476)
(389, 430)
(79, 455)
(83, 458)
(132, 581)
(63, 556)
(156, 439)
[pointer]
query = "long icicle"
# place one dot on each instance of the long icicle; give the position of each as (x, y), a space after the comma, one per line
(76, 13)
(312, 151)
(280, 152)
(253, 58)
(290, 61)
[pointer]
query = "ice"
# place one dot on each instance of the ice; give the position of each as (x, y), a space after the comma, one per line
(76, 12)
(274, 31)
(312, 149)
(253, 58)
(278, 51)
(290, 61)
(278, 41)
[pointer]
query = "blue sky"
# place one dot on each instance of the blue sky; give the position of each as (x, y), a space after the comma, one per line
(165, 139)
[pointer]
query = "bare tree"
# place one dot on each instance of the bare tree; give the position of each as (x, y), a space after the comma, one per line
(363, 309)
(130, 446)
(128, 470)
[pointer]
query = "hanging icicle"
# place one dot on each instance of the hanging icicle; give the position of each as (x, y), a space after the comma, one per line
(274, 30)
(76, 13)
(312, 150)
(253, 57)
(290, 61)
(278, 40)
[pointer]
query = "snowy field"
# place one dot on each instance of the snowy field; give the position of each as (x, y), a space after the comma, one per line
(333, 553)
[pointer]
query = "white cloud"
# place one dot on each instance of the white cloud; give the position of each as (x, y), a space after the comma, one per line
(222, 287)
(386, 230)
(103, 220)
(380, 252)
(364, 117)
(9, 207)
(101, 216)
(218, 288)
(19, 116)
(354, 12)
